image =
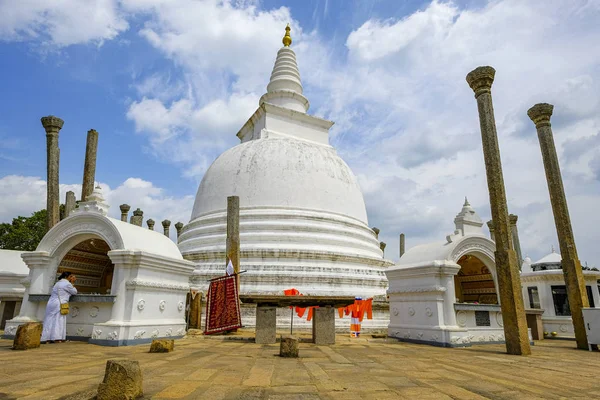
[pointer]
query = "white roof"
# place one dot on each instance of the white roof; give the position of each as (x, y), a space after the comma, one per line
(12, 263)
(551, 258)
(137, 238)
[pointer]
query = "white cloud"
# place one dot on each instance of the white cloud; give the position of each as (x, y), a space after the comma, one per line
(61, 23)
(23, 195)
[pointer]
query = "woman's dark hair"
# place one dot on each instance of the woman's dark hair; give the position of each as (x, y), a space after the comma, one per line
(64, 275)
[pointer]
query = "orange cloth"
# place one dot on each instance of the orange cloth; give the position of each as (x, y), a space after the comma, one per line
(299, 310)
(358, 309)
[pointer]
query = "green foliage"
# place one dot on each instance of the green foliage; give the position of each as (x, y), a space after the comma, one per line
(25, 233)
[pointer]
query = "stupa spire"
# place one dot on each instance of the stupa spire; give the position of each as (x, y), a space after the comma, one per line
(285, 87)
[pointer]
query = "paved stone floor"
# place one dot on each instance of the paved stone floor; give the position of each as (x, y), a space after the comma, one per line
(364, 368)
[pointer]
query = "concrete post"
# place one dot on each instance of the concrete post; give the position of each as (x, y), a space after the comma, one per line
(150, 224)
(69, 203)
(52, 125)
(515, 237)
(376, 230)
(166, 224)
(124, 211)
(137, 218)
(509, 280)
(402, 240)
(178, 227)
(540, 115)
(232, 245)
(490, 225)
(89, 166)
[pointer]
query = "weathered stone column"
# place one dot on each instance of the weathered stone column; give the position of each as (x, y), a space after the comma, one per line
(178, 227)
(540, 115)
(507, 269)
(137, 218)
(232, 244)
(166, 224)
(195, 303)
(52, 125)
(89, 166)
(490, 225)
(402, 243)
(376, 230)
(124, 211)
(69, 203)
(515, 237)
(150, 224)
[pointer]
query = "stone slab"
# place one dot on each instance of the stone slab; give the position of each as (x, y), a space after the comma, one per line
(162, 346)
(288, 346)
(28, 336)
(266, 325)
(122, 380)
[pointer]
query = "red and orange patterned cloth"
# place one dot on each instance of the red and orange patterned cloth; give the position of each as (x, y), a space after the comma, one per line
(223, 306)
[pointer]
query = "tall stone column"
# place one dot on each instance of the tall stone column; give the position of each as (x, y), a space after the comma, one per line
(52, 125)
(137, 218)
(540, 115)
(89, 167)
(507, 269)
(124, 211)
(515, 237)
(178, 227)
(232, 244)
(490, 225)
(69, 203)
(166, 224)
(150, 224)
(402, 243)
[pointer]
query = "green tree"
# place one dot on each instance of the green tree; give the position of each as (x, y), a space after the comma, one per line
(24, 233)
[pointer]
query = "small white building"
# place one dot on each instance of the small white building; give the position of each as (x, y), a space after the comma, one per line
(132, 282)
(544, 287)
(12, 271)
(445, 293)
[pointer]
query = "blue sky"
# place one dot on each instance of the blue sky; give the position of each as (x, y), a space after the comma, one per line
(168, 84)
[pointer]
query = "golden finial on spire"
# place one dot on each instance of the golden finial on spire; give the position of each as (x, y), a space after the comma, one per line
(287, 39)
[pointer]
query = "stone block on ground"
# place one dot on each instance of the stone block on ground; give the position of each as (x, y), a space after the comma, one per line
(266, 325)
(122, 380)
(288, 346)
(162, 346)
(28, 336)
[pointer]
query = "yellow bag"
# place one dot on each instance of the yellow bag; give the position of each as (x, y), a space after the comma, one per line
(64, 308)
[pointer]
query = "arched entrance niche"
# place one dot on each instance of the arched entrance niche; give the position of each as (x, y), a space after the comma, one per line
(474, 282)
(89, 261)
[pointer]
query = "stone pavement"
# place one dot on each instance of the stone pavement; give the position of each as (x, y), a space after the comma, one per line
(363, 368)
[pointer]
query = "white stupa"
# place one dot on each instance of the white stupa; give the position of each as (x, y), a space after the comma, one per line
(303, 222)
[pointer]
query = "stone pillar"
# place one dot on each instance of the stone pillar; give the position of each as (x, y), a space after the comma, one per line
(69, 203)
(124, 211)
(402, 240)
(323, 326)
(266, 325)
(137, 218)
(515, 237)
(89, 166)
(490, 225)
(166, 224)
(232, 246)
(507, 268)
(195, 303)
(178, 227)
(376, 230)
(150, 224)
(540, 115)
(52, 125)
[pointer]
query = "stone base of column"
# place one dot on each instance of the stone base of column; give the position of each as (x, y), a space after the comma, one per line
(323, 329)
(266, 325)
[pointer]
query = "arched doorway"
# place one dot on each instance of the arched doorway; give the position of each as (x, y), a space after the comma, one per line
(89, 260)
(474, 282)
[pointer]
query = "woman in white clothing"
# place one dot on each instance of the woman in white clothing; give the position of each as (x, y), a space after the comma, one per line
(55, 324)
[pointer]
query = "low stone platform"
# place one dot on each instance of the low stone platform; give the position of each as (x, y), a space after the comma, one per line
(359, 368)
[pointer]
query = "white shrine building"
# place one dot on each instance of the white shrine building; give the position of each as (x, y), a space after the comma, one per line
(303, 221)
(543, 285)
(132, 282)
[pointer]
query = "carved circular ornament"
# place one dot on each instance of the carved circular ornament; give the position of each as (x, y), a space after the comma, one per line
(141, 304)
(395, 311)
(411, 311)
(428, 312)
(180, 306)
(162, 305)
(461, 318)
(74, 311)
(499, 319)
(94, 311)
(563, 328)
